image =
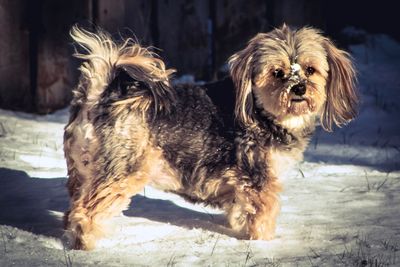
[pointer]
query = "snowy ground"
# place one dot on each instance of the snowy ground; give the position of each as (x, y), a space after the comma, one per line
(341, 207)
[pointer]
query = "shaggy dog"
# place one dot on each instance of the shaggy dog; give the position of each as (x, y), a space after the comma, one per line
(223, 144)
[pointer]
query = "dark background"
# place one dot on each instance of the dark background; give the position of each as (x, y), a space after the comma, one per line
(37, 72)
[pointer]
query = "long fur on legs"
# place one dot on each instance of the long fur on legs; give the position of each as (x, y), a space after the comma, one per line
(225, 144)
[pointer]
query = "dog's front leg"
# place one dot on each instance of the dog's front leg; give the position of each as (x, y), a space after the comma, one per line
(254, 211)
(266, 201)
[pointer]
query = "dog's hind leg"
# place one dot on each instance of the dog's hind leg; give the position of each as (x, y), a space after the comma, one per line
(73, 185)
(102, 201)
(101, 187)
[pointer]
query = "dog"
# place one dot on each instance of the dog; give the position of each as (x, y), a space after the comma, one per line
(224, 144)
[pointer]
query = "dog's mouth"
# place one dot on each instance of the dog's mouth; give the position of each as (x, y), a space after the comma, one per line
(297, 99)
(298, 105)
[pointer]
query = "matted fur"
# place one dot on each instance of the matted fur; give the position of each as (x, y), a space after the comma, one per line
(224, 144)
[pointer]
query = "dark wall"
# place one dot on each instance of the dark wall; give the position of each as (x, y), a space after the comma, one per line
(36, 71)
(196, 37)
(14, 56)
(372, 16)
(55, 72)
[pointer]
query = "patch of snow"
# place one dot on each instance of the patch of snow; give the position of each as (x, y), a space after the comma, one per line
(339, 207)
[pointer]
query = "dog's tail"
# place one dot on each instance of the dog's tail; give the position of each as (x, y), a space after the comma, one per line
(123, 65)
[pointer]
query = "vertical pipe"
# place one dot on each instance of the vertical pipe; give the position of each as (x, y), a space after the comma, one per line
(94, 13)
(269, 13)
(155, 34)
(211, 25)
(34, 17)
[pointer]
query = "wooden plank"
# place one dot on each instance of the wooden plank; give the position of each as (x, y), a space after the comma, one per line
(183, 35)
(56, 70)
(14, 56)
(237, 22)
(299, 13)
(138, 21)
(110, 15)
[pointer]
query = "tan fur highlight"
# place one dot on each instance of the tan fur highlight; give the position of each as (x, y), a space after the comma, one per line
(102, 56)
(240, 65)
(342, 98)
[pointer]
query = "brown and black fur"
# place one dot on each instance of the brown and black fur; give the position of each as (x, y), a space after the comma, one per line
(215, 144)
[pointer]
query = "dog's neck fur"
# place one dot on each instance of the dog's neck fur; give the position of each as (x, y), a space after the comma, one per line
(297, 123)
(266, 141)
(297, 127)
(258, 145)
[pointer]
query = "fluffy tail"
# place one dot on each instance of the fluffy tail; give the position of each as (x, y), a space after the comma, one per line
(105, 60)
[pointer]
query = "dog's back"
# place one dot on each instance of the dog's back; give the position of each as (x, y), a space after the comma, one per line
(194, 137)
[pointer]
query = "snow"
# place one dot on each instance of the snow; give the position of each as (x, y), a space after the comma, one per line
(340, 206)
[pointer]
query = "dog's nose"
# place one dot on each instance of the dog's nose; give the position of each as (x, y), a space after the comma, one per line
(299, 89)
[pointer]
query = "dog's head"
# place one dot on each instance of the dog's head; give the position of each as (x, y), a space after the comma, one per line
(294, 76)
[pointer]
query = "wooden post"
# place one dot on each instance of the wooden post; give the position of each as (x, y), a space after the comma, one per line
(183, 35)
(14, 56)
(110, 15)
(56, 73)
(212, 20)
(298, 13)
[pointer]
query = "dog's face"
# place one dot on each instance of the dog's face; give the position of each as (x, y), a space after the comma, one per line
(294, 76)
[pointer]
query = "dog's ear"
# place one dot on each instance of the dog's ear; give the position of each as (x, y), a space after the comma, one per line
(342, 99)
(240, 67)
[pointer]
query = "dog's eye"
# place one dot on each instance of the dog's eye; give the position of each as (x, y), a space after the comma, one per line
(310, 71)
(278, 73)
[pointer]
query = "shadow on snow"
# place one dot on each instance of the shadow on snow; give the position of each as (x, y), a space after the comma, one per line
(29, 203)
